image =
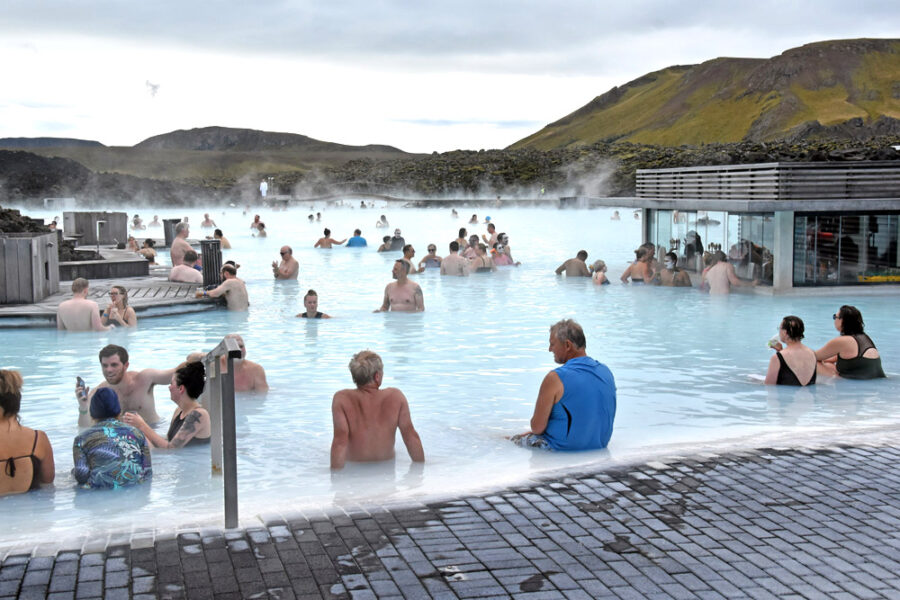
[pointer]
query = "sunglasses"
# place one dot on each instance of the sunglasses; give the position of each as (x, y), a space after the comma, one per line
(432, 249)
(835, 316)
(282, 253)
(114, 293)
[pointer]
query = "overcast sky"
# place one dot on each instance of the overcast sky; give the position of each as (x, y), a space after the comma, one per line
(419, 75)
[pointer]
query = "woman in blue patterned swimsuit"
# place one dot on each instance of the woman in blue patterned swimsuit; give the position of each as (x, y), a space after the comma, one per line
(110, 454)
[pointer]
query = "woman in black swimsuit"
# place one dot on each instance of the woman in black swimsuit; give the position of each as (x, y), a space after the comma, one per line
(190, 423)
(26, 457)
(311, 302)
(852, 354)
(793, 363)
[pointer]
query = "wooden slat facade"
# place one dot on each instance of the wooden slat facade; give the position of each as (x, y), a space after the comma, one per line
(29, 267)
(774, 182)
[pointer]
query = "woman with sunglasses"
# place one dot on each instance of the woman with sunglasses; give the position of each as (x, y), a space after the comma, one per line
(852, 354)
(118, 312)
(430, 260)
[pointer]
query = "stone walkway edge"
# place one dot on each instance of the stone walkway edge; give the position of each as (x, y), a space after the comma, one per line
(816, 522)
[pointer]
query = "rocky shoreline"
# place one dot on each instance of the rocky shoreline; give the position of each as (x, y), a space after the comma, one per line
(601, 169)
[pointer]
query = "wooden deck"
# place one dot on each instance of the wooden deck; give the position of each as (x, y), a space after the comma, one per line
(149, 296)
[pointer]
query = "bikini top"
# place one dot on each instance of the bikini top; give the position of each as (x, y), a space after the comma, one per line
(10, 467)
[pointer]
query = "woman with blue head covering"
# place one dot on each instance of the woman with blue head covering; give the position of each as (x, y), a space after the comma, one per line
(110, 454)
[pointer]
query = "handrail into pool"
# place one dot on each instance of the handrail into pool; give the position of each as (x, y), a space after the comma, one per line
(218, 399)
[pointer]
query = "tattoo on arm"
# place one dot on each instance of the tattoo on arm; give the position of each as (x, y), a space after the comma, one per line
(187, 431)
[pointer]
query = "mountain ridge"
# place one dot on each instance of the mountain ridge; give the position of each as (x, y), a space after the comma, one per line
(836, 87)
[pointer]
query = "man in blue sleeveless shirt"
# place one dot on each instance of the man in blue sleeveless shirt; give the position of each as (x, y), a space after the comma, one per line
(576, 404)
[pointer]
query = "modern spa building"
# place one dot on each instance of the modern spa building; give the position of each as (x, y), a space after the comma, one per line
(787, 225)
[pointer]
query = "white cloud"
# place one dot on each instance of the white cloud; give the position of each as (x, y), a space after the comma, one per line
(419, 76)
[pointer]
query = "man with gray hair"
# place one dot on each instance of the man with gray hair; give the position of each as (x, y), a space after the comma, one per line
(366, 419)
(576, 404)
(179, 244)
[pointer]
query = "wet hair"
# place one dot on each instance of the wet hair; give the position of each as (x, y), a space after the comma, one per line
(111, 350)
(569, 330)
(793, 327)
(310, 293)
(582, 254)
(124, 293)
(482, 247)
(721, 256)
(327, 231)
(150, 243)
(472, 238)
(190, 256)
(672, 256)
(454, 246)
(10, 392)
(641, 252)
(229, 269)
(192, 376)
(181, 227)
(710, 258)
(491, 227)
(599, 265)
(79, 285)
(363, 367)
(851, 320)
(502, 238)
(357, 232)
(406, 264)
(462, 232)
(219, 233)
(261, 225)
(406, 248)
(386, 239)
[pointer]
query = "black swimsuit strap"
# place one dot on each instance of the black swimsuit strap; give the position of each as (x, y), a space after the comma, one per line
(34, 445)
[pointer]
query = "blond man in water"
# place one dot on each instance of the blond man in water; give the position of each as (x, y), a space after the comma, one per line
(366, 419)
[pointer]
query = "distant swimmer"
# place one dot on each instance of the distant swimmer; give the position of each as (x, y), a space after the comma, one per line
(402, 295)
(385, 244)
(575, 267)
(430, 260)
(461, 239)
(720, 277)
(490, 238)
(615, 216)
(671, 275)
(185, 272)
(233, 289)
(482, 263)
(255, 223)
(576, 403)
(137, 223)
(473, 220)
(260, 231)
(223, 241)
(78, 313)
(148, 251)
(598, 273)
(326, 241)
(207, 222)
(453, 264)
(639, 270)
(397, 242)
(155, 222)
(453, 213)
(311, 303)
(366, 419)
(288, 268)
(408, 253)
(118, 312)
(179, 244)
(382, 222)
(357, 241)
(134, 388)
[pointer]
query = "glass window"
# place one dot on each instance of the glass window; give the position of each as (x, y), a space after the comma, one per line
(842, 249)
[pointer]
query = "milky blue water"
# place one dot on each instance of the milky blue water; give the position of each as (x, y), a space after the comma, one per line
(688, 369)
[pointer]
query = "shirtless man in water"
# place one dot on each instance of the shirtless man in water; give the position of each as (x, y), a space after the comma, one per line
(78, 313)
(366, 419)
(234, 290)
(403, 294)
(135, 389)
(721, 278)
(179, 244)
(327, 241)
(289, 267)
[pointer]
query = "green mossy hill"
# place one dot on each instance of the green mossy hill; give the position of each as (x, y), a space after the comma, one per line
(843, 89)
